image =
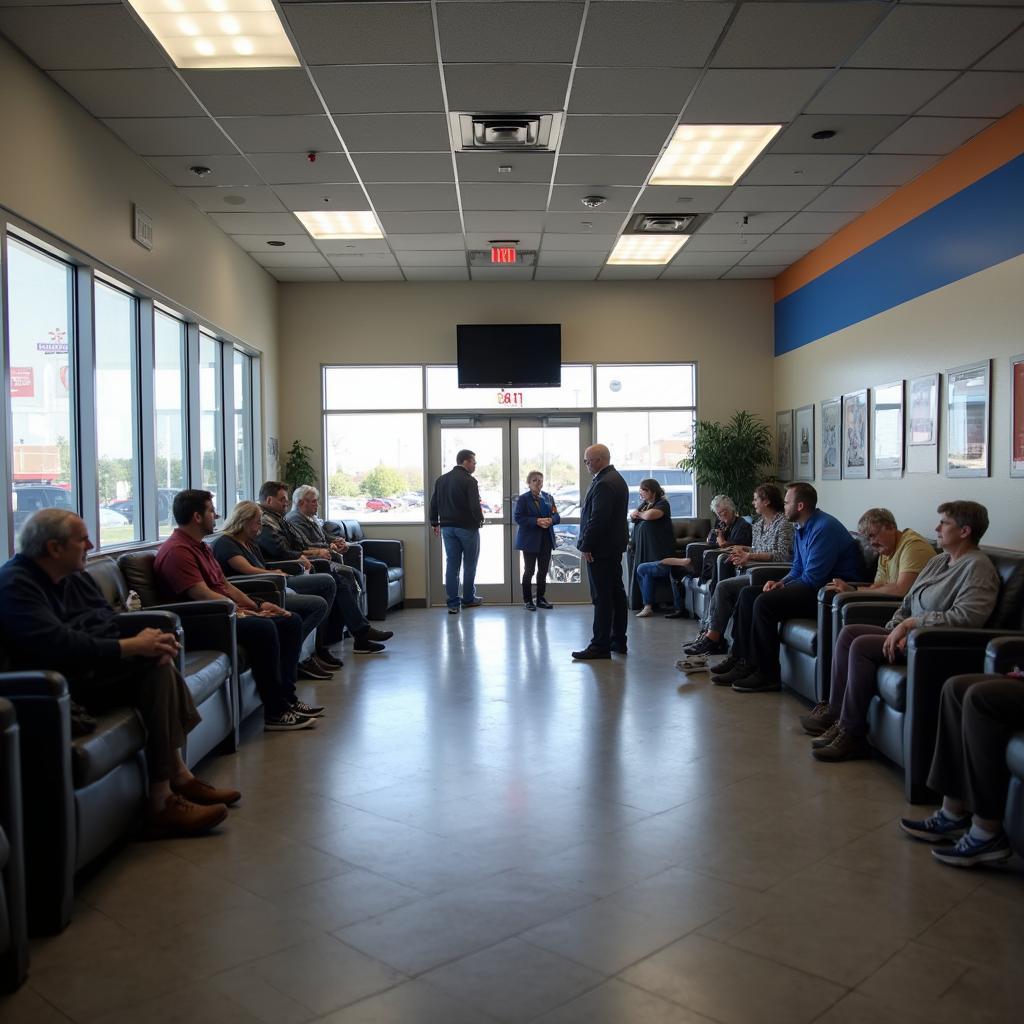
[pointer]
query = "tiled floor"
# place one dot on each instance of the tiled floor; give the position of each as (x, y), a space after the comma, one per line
(481, 830)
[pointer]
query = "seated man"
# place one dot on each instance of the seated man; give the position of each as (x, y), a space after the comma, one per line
(978, 715)
(187, 570)
(307, 526)
(279, 542)
(823, 550)
(53, 616)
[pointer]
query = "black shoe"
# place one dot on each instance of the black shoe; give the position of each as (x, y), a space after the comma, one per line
(543, 602)
(363, 645)
(617, 648)
(739, 671)
(591, 654)
(475, 603)
(678, 614)
(321, 664)
(529, 606)
(379, 634)
(309, 669)
(706, 647)
(754, 682)
(328, 659)
(453, 611)
(304, 710)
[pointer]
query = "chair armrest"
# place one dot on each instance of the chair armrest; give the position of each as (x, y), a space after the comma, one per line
(724, 569)
(1004, 652)
(762, 572)
(321, 564)
(271, 579)
(353, 556)
(292, 567)
(133, 623)
(388, 551)
(858, 611)
(207, 625)
(695, 550)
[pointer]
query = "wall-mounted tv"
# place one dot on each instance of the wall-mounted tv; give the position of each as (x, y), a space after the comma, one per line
(510, 355)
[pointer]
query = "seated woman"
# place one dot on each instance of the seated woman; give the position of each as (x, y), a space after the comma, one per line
(652, 541)
(772, 542)
(236, 550)
(958, 587)
(535, 515)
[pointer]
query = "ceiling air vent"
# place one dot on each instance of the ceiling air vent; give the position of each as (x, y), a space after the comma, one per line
(506, 133)
(482, 258)
(662, 224)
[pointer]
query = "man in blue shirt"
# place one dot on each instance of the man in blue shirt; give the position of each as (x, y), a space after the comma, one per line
(822, 550)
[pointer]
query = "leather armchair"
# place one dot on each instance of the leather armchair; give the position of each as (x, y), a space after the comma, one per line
(383, 565)
(1001, 656)
(13, 928)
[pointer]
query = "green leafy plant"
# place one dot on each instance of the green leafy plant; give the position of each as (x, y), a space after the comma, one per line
(297, 468)
(732, 458)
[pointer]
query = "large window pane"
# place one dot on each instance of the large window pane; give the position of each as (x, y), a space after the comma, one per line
(244, 490)
(576, 392)
(117, 431)
(40, 292)
(211, 425)
(169, 412)
(645, 385)
(375, 467)
(373, 387)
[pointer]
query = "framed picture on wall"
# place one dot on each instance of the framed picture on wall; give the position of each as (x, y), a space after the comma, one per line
(1017, 415)
(923, 424)
(831, 439)
(855, 435)
(967, 413)
(803, 443)
(887, 430)
(784, 445)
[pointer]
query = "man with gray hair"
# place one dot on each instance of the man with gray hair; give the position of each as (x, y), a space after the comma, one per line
(304, 518)
(53, 616)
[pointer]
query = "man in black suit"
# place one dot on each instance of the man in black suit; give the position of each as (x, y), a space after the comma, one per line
(603, 537)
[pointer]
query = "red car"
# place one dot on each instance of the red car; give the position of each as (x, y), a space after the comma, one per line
(378, 505)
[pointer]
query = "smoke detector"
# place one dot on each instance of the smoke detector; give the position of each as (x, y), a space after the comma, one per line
(593, 202)
(505, 132)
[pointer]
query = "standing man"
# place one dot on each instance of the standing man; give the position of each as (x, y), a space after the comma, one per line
(456, 517)
(604, 534)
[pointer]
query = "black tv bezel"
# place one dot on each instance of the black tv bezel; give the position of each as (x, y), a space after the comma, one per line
(507, 384)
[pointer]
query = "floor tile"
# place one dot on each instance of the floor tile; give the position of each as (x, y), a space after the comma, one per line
(414, 1002)
(615, 1002)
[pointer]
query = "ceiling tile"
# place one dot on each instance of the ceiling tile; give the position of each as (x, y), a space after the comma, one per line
(731, 223)
(577, 243)
(436, 274)
(767, 96)
(149, 92)
(483, 240)
(701, 242)
(297, 169)
(289, 259)
(355, 274)
(385, 88)
(770, 197)
(753, 273)
(688, 273)
(263, 91)
(224, 170)
(230, 199)
(364, 261)
(414, 197)
(817, 223)
(980, 94)
(437, 258)
(621, 134)
(569, 198)
(615, 273)
(501, 273)
(292, 243)
(854, 133)
(565, 273)
(256, 223)
(394, 133)
(512, 87)
(303, 274)
(1007, 56)
(879, 169)
(939, 135)
(799, 168)
(695, 258)
(526, 167)
(878, 91)
(509, 31)
(296, 133)
(167, 136)
(935, 37)
(792, 242)
(795, 35)
(337, 248)
(846, 199)
(359, 33)
(413, 223)
(404, 167)
(576, 223)
(502, 196)
(631, 90)
(619, 170)
(556, 258)
(504, 222)
(322, 197)
(772, 258)
(638, 34)
(682, 198)
(420, 242)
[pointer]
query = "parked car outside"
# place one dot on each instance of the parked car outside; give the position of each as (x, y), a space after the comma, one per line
(29, 498)
(378, 505)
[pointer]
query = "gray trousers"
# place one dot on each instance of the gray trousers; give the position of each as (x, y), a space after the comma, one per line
(723, 602)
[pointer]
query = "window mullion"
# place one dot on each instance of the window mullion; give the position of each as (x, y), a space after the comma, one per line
(145, 482)
(84, 445)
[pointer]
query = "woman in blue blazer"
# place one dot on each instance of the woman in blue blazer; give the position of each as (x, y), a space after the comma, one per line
(535, 515)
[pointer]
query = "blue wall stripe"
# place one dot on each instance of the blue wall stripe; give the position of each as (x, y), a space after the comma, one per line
(980, 226)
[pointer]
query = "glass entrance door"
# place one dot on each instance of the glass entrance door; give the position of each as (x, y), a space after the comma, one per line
(507, 450)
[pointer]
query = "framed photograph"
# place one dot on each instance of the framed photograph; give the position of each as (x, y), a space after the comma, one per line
(855, 435)
(1017, 415)
(923, 424)
(784, 445)
(831, 439)
(887, 430)
(803, 443)
(968, 398)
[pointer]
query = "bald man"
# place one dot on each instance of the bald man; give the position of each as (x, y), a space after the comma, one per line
(603, 536)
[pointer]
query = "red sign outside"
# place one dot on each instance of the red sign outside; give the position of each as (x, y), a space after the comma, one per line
(23, 382)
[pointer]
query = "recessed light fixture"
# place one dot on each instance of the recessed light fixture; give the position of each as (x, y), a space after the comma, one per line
(646, 250)
(218, 33)
(711, 154)
(340, 223)
(825, 133)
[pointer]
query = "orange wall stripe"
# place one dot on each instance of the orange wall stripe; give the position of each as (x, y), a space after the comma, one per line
(995, 146)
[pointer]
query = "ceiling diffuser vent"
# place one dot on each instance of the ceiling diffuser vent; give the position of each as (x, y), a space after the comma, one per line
(662, 224)
(506, 133)
(482, 258)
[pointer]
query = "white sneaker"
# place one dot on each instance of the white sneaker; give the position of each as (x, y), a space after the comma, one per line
(693, 663)
(286, 722)
(645, 613)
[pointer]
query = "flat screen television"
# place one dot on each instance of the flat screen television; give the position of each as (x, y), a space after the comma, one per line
(510, 355)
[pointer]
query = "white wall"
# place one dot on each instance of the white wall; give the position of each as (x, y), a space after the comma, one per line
(981, 316)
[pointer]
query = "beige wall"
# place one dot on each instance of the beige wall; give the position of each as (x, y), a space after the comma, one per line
(724, 326)
(981, 316)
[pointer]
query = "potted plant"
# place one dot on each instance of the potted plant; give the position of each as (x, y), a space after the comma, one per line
(297, 468)
(732, 458)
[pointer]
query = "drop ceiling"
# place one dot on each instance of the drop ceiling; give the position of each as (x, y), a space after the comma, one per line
(900, 83)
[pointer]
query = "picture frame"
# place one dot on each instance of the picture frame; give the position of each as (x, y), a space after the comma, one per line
(968, 407)
(803, 443)
(922, 424)
(831, 438)
(887, 430)
(856, 453)
(1017, 416)
(784, 445)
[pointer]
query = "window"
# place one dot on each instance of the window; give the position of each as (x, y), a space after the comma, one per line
(645, 385)
(244, 489)
(211, 425)
(169, 415)
(576, 392)
(41, 310)
(373, 387)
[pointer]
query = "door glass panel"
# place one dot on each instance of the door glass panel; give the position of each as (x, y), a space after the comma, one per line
(490, 569)
(487, 443)
(555, 452)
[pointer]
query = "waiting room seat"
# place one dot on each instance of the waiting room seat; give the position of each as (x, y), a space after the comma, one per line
(13, 928)
(383, 565)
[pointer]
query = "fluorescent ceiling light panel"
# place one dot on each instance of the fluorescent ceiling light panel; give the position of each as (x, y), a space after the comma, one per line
(219, 33)
(646, 250)
(712, 154)
(340, 223)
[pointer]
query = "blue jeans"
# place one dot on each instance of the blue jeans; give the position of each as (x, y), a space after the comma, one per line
(461, 548)
(647, 573)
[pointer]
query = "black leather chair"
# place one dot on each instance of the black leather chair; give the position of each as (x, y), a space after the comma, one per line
(13, 928)
(383, 565)
(1001, 656)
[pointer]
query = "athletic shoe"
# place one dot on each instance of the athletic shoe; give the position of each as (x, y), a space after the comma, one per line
(475, 603)
(645, 613)
(288, 721)
(529, 606)
(705, 646)
(695, 641)
(361, 645)
(309, 669)
(328, 660)
(754, 682)
(969, 851)
(939, 828)
(826, 737)
(304, 710)
(739, 670)
(453, 611)
(379, 634)
(728, 665)
(819, 720)
(543, 602)
(693, 663)
(845, 747)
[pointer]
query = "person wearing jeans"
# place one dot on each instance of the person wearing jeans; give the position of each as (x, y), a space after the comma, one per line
(456, 517)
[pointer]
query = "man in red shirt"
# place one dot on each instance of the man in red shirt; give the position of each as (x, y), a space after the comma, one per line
(186, 569)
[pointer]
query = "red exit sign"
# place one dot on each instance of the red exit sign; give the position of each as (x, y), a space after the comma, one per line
(503, 254)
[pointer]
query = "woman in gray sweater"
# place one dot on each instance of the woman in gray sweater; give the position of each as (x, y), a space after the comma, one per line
(958, 587)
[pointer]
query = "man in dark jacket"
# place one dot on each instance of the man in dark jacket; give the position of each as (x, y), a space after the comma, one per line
(456, 517)
(604, 534)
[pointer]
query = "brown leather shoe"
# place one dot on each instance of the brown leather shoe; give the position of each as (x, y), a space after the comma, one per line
(179, 818)
(198, 792)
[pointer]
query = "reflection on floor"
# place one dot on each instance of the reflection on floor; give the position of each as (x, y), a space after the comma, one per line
(481, 830)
